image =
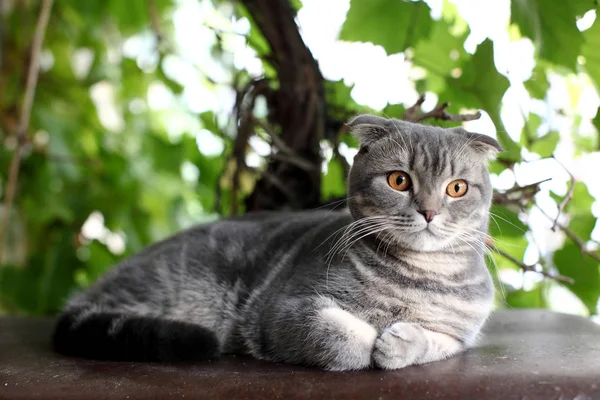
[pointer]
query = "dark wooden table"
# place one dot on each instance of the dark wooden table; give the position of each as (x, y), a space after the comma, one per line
(527, 354)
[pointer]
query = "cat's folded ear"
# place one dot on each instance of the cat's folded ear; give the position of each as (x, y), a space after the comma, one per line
(368, 128)
(484, 144)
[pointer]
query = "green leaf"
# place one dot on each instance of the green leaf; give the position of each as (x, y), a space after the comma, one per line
(338, 95)
(582, 6)
(530, 129)
(584, 270)
(340, 104)
(209, 121)
(496, 167)
(394, 111)
(589, 50)
(442, 52)
(583, 225)
(552, 29)
(505, 223)
(509, 235)
(100, 260)
(582, 201)
(526, 298)
(546, 144)
(538, 84)
(165, 156)
(296, 5)
(333, 183)
(481, 86)
(255, 38)
(579, 209)
(350, 140)
(393, 24)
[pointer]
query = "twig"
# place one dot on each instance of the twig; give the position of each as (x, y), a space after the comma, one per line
(531, 268)
(534, 186)
(155, 22)
(293, 160)
(569, 195)
(343, 161)
(279, 185)
(335, 143)
(61, 158)
(244, 106)
(527, 193)
(275, 139)
(412, 113)
(286, 153)
(32, 78)
(439, 112)
(573, 236)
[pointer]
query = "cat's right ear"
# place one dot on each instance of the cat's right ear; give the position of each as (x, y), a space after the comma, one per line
(368, 128)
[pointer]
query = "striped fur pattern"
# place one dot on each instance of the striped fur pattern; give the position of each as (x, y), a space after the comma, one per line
(371, 286)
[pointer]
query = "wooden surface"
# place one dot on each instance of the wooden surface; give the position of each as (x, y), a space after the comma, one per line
(524, 355)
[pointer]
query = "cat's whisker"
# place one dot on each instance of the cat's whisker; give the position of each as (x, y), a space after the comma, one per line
(371, 232)
(347, 229)
(382, 241)
(490, 255)
(461, 152)
(493, 218)
(401, 136)
(507, 221)
(348, 233)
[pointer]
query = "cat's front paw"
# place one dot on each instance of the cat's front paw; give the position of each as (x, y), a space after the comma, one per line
(399, 345)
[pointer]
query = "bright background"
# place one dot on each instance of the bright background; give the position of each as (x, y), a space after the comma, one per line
(130, 136)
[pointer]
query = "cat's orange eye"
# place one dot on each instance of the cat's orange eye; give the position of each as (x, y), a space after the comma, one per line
(457, 188)
(399, 180)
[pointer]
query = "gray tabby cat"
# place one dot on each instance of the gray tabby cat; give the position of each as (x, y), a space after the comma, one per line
(398, 280)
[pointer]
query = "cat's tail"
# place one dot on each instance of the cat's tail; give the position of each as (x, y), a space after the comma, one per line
(121, 337)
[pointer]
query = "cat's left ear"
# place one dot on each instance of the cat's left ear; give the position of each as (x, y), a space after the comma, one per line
(484, 144)
(368, 128)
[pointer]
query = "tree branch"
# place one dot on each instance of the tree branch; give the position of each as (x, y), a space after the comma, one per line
(297, 107)
(519, 195)
(155, 22)
(31, 84)
(573, 236)
(532, 268)
(413, 112)
(439, 112)
(569, 195)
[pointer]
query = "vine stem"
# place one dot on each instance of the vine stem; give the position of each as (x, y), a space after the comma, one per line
(532, 268)
(24, 119)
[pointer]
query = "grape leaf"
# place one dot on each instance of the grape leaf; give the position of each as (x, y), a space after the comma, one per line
(546, 144)
(393, 24)
(481, 86)
(551, 28)
(526, 298)
(442, 51)
(589, 50)
(333, 183)
(538, 84)
(584, 270)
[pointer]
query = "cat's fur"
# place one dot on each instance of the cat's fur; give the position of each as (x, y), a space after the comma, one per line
(376, 286)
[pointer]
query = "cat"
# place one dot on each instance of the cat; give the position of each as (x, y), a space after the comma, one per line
(396, 279)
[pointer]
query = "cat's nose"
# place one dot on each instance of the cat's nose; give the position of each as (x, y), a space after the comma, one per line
(428, 214)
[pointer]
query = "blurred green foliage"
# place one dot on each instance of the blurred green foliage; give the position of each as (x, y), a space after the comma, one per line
(148, 174)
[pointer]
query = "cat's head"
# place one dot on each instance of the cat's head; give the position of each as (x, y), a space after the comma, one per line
(425, 188)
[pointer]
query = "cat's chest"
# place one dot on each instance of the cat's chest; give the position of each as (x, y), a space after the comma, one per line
(427, 302)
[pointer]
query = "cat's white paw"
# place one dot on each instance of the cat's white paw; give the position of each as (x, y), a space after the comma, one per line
(399, 345)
